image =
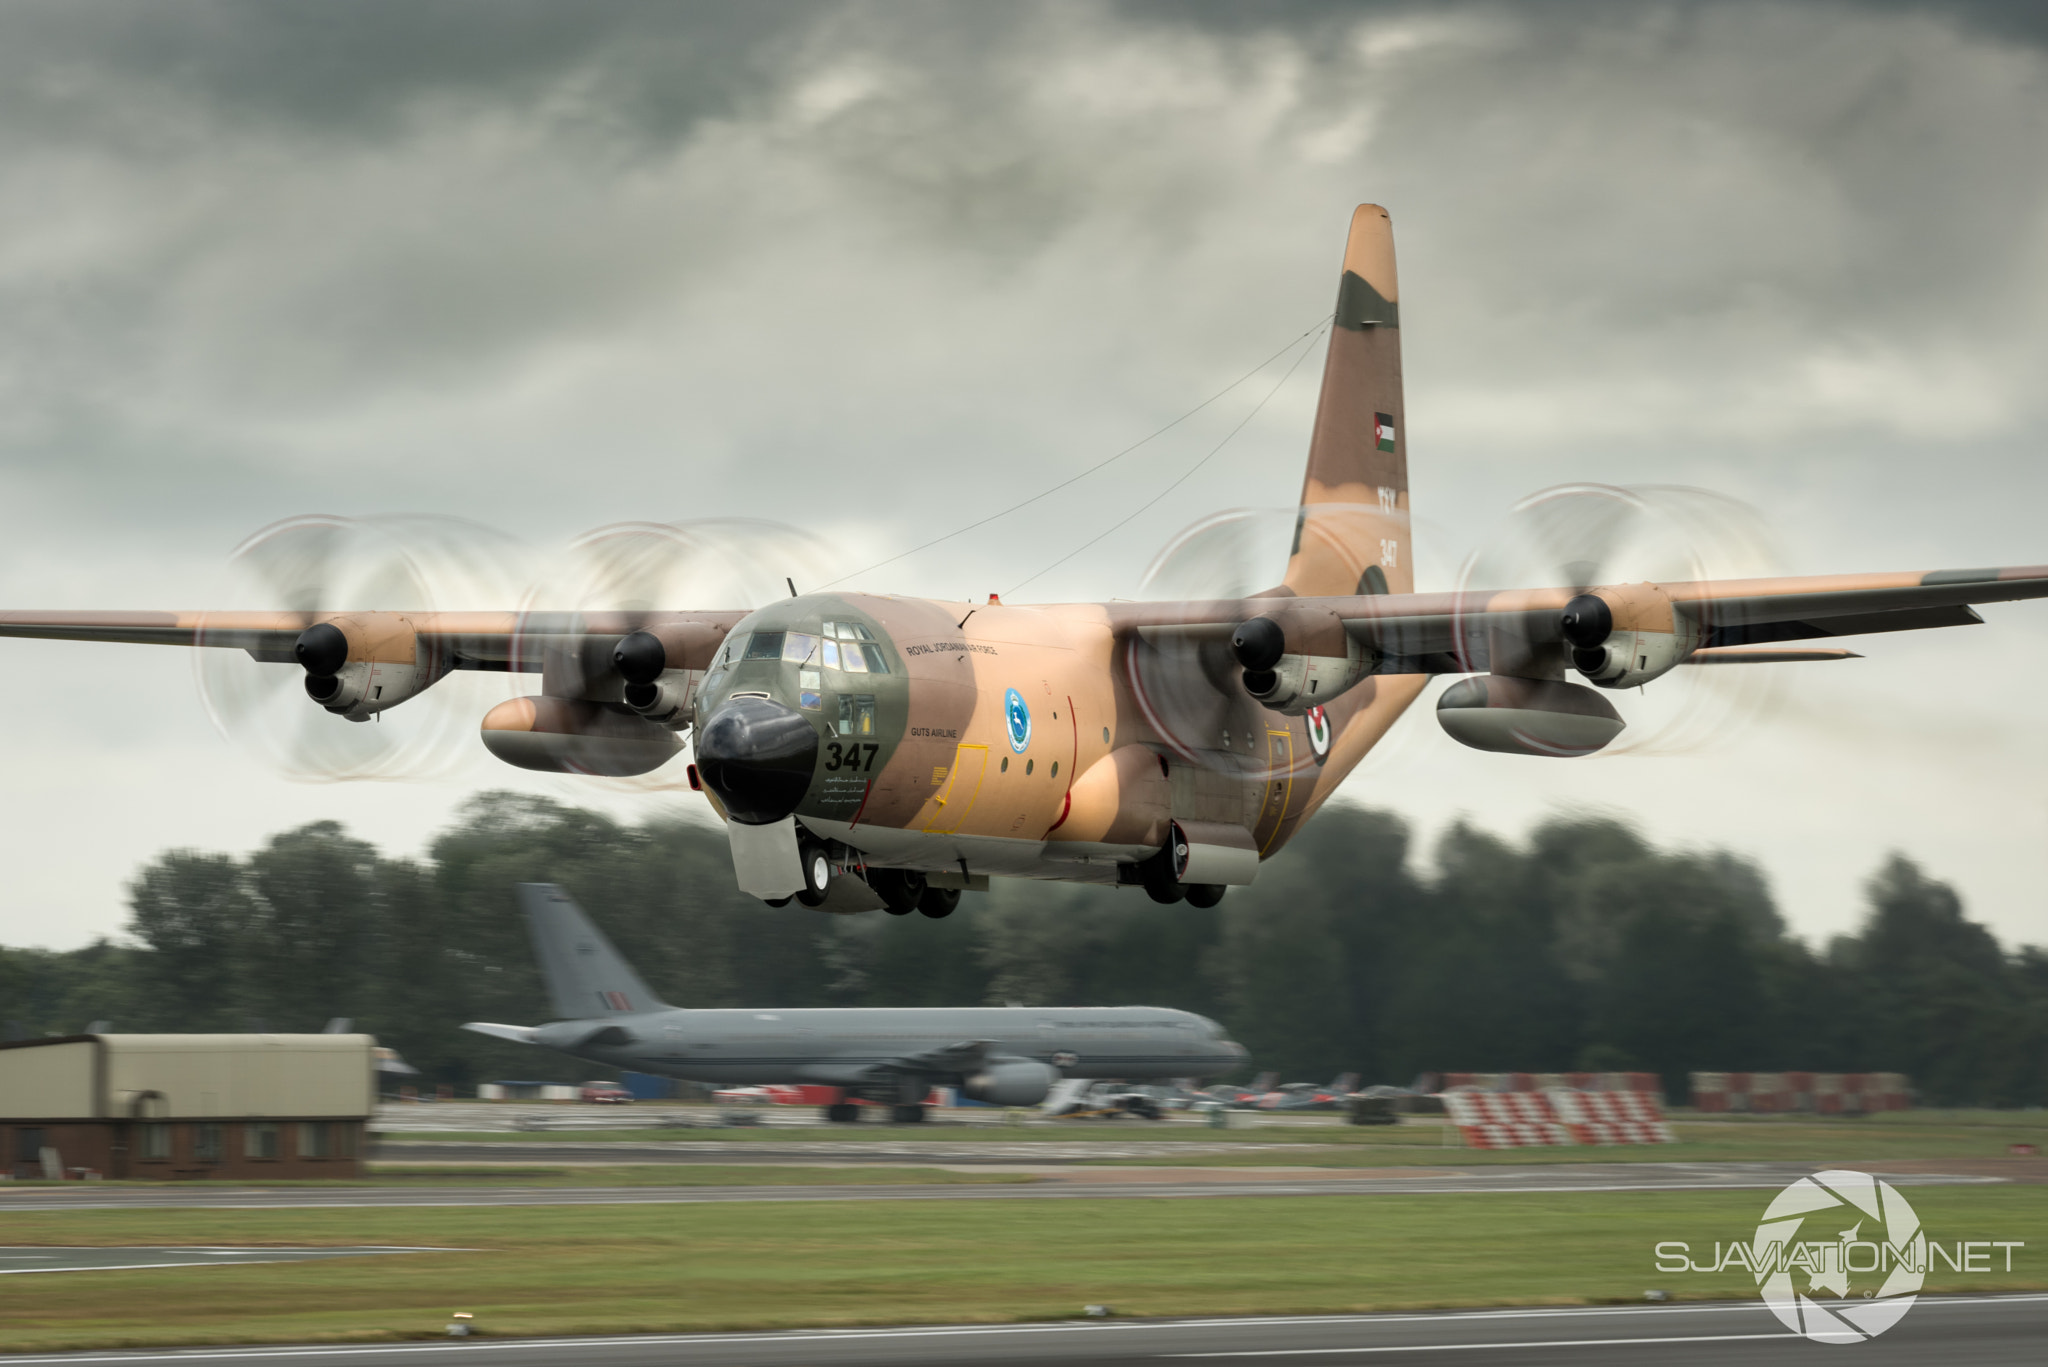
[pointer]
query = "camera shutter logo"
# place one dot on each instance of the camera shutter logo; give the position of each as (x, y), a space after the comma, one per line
(1864, 1244)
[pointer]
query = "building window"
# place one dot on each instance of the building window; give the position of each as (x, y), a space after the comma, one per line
(28, 1144)
(344, 1133)
(259, 1140)
(155, 1143)
(206, 1143)
(313, 1139)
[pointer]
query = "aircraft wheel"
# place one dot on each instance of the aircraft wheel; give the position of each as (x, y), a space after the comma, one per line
(817, 875)
(899, 889)
(938, 903)
(774, 901)
(1205, 894)
(907, 1115)
(1160, 884)
(843, 1113)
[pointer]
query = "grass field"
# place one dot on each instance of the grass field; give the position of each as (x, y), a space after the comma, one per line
(557, 1270)
(606, 1175)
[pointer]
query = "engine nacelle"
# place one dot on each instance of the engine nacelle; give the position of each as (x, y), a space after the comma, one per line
(1629, 658)
(1626, 636)
(663, 665)
(1295, 659)
(572, 736)
(1011, 1082)
(361, 664)
(670, 700)
(1527, 716)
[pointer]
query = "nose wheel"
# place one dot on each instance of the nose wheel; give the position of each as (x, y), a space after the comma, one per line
(817, 864)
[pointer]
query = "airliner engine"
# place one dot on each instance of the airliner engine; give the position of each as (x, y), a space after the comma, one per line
(1527, 716)
(1012, 1082)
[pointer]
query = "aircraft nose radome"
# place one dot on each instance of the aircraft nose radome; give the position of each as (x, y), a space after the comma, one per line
(757, 756)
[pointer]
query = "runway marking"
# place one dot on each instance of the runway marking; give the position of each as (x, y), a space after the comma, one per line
(189, 1354)
(1468, 1347)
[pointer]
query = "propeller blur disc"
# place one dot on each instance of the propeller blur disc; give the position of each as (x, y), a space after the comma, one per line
(712, 564)
(324, 563)
(1581, 536)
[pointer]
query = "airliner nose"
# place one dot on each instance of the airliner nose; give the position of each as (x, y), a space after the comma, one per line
(757, 756)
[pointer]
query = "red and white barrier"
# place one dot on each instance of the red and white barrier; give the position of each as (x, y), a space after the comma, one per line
(1559, 1116)
(1505, 1120)
(1803, 1093)
(1611, 1117)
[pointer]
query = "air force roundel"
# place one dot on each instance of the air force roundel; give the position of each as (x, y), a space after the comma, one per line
(1318, 733)
(1019, 718)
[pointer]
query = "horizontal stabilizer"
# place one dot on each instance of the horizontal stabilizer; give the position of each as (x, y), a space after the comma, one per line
(1064, 1093)
(518, 1034)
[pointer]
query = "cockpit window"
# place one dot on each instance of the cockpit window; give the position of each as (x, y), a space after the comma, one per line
(735, 648)
(764, 645)
(857, 714)
(797, 647)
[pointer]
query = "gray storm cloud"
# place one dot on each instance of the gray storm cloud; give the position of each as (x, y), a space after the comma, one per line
(877, 270)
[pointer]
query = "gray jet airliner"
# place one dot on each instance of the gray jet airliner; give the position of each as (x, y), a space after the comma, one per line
(1006, 1055)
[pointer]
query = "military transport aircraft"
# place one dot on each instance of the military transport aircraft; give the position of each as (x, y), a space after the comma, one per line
(870, 750)
(1006, 1055)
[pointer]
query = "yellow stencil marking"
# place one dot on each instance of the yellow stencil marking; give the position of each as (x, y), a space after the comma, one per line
(962, 786)
(1280, 750)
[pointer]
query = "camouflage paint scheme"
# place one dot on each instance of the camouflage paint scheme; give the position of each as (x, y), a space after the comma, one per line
(1138, 716)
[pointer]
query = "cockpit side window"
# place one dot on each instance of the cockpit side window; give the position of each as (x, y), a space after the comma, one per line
(764, 645)
(856, 714)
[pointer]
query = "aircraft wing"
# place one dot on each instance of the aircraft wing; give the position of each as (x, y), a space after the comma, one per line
(1459, 633)
(964, 1057)
(498, 641)
(518, 1034)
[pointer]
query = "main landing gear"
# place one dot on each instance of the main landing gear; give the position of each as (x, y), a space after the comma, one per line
(906, 1115)
(904, 890)
(1160, 876)
(843, 1113)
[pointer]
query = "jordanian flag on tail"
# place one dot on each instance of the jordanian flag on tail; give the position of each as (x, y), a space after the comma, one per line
(1383, 430)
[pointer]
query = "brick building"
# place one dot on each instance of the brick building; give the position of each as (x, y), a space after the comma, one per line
(172, 1106)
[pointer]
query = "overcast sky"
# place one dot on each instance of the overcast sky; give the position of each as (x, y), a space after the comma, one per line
(875, 271)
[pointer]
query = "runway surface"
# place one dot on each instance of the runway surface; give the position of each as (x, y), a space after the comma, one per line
(129, 1257)
(1071, 1184)
(800, 1151)
(1960, 1331)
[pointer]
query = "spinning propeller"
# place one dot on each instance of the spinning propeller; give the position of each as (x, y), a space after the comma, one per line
(1584, 536)
(316, 564)
(306, 564)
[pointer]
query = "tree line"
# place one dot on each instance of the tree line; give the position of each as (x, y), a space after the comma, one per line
(1583, 947)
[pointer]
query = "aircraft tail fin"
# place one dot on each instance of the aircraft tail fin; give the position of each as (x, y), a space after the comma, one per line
(1351, 534)
(1345, 1085)
(1264, 1082)
(586, 977)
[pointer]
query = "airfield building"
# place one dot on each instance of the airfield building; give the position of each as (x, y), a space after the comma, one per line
(186, 1106)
